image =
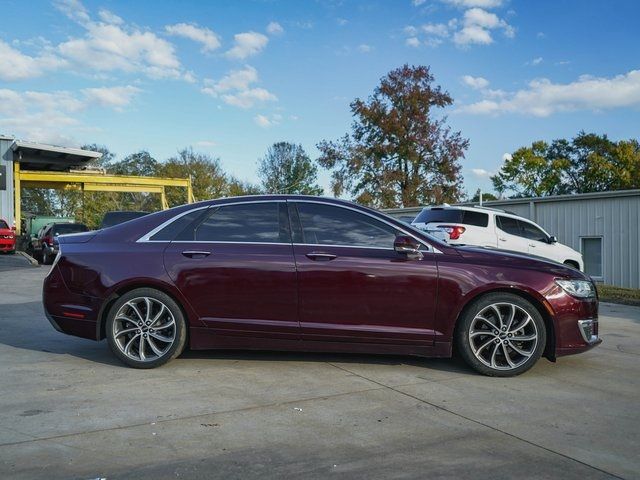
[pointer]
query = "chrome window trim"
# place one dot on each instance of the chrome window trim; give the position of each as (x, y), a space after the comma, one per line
(145, 238)
(222, 242)
(430, 248)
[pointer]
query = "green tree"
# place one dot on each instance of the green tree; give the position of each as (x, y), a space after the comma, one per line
(139, 164)
(587, 163)
(207, 177)
(287, 169)
(486, 197)
(400, 152)
(237, 188)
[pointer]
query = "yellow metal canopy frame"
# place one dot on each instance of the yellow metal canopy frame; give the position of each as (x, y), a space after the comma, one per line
(93, 182)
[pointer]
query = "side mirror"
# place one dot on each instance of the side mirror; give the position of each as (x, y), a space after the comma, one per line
(553, 239)
(407, 245)
(13, 228)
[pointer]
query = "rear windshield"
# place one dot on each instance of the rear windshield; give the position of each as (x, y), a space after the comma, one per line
(452, 215)
(3, 224)
(69, 228)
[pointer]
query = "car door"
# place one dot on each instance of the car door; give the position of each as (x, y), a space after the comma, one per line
(510, 235)
(353, 285)
(538, 240)
(235, 267)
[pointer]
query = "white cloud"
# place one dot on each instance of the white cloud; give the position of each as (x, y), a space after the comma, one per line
(412, 42)
(206, 144)
(264, 121)
(247, 44)
(236, 88)
(477, 83)
(477, 27)
(51, 117)
(506, 156)
(417, 3)
(108, 17)
(74, 10)
(19, 66)
(475, 3)
(274, 28)
(481, 172)
(536, 61)
(206, 37)
(115, 97)
(342, 21)
(364, 48)
(543, 98)
(436, 29)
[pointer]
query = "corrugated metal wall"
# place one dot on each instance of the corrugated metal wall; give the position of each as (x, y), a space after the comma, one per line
(6, 196)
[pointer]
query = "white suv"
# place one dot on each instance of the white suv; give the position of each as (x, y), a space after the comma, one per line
(488, 227)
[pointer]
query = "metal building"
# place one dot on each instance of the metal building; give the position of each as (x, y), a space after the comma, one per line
(603, 226)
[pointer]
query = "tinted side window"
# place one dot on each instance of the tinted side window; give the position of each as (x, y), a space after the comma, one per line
(172, 230)
(532, 232)
(478, 219)
(250, 222)
(508, 225)
(329, 225)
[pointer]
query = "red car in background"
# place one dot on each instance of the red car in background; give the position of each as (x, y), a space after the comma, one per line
(313, 274)
(7, 237)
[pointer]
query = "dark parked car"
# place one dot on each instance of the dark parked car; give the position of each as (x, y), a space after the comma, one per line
(115, 218)
(45, 245)
(312, 274)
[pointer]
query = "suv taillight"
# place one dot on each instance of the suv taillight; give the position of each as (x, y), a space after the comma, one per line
(454, 231)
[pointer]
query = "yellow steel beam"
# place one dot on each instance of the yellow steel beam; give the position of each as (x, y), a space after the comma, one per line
(92, 187)
(75, 177)
(17, 211)
(163, 199)
(52, 185)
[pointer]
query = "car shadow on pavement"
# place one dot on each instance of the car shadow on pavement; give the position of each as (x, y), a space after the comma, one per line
(24, 326)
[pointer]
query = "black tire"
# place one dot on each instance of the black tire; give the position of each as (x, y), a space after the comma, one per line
(180, 334)
(503, 301)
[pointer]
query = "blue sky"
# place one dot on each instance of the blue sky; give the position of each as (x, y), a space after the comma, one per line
(230, 78)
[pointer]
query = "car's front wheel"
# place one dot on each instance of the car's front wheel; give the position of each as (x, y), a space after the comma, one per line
(501, 335)
(146, 328)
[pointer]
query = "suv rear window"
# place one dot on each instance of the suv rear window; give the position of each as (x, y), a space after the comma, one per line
(453, 215)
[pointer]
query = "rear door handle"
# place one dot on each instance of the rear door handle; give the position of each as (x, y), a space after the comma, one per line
(502, 239)
(320, 256)
(196, 253)
(532, 245)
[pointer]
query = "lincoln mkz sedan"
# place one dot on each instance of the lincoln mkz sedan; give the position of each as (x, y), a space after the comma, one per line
(312, 274)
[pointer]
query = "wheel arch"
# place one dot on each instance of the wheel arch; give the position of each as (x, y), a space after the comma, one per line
(549, 349)
(122, 289)
(572, 263)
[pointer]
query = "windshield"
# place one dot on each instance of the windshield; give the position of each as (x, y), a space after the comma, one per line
(3, 224)
(69, 228)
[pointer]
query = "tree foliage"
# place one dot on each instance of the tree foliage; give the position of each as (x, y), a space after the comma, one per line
(587, 163)
(400, 152)
(287, 169)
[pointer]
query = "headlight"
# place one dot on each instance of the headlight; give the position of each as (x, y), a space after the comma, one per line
(578, 288)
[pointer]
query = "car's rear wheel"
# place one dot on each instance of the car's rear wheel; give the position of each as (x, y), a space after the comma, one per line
(146, 328)
(501, 335)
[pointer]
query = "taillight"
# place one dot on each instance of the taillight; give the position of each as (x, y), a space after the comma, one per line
(454, 231)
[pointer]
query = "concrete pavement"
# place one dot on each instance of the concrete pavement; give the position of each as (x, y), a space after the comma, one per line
(69, 409)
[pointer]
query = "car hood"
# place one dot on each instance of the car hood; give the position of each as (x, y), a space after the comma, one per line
(6, 231)
(518, 260)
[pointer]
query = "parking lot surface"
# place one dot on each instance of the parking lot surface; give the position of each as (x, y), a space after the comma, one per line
(69, 409)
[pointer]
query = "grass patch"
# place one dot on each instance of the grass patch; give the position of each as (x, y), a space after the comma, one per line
(627, 296)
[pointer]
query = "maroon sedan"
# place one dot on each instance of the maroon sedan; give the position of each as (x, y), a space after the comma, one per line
(312, 274)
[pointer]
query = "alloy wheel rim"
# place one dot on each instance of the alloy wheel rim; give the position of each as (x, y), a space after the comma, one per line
(503, 336)
(144, 329)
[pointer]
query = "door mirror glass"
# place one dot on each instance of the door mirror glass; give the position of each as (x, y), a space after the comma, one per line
(553, 239)
(407, 245)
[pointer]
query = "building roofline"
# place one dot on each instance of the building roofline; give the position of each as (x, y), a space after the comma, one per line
(17, 144)
(517, 201)
(4, 137)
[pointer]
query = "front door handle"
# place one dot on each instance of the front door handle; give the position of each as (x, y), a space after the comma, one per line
(532, 245)
(321, 256)
(502, 239)
(196, 253)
